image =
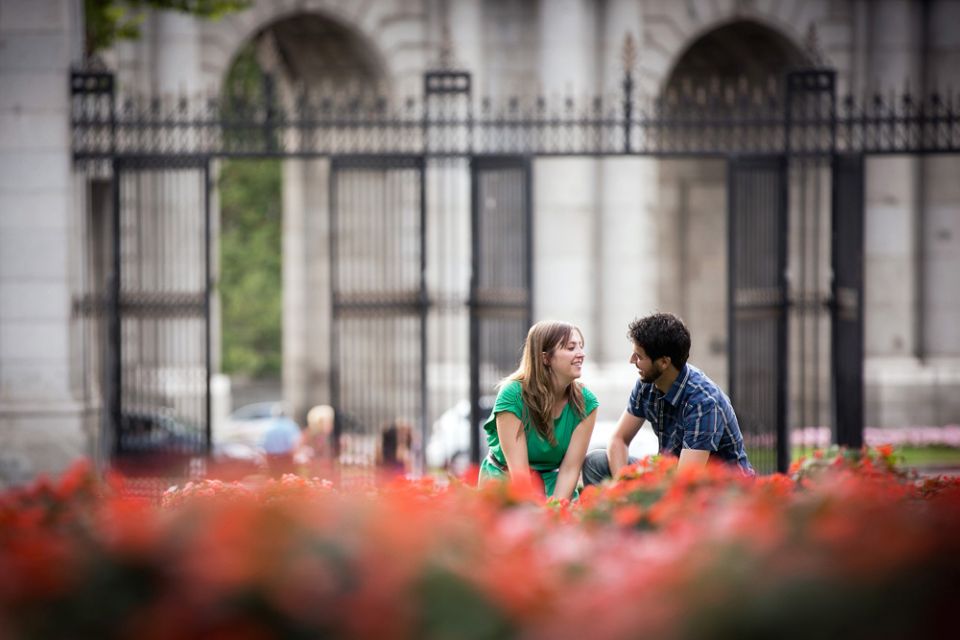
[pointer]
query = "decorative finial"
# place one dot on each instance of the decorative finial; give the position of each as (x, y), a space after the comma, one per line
(446, 48)
(629, 53)
(446, 40)
(811, 45)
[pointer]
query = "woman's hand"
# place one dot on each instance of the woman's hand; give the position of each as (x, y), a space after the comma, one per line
(572, 462)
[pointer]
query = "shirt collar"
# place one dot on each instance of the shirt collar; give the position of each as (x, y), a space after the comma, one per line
(673, 393)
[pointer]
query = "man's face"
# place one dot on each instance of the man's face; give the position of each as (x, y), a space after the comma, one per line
(650, 370)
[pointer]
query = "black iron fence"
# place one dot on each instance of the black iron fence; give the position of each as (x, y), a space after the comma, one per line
(788, 140)
(799, 115)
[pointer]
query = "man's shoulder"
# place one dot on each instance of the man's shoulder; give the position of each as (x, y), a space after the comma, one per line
(701, 389)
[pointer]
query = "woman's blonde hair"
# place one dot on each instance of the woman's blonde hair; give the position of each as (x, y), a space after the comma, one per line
(536, 378)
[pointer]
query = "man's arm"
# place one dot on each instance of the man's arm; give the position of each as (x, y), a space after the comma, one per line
(692, 459)
(702, 427)
(619, 445)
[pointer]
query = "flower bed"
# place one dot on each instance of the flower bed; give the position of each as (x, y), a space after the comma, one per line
(845, 544)
(917, 436)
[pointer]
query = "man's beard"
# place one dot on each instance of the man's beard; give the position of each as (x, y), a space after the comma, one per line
(654, 376)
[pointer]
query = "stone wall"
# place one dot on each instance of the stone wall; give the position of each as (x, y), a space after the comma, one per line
(40, 422)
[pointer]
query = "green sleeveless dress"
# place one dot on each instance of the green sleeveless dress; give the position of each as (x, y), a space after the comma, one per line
(542, 456)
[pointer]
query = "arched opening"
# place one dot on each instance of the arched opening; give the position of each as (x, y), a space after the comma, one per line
(747, 60)
(735, 51)
(274, 275)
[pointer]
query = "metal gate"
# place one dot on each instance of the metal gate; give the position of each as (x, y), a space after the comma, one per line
(379, 302)
(158, 310)
(757, 305)
(779, 138)
(501, 291)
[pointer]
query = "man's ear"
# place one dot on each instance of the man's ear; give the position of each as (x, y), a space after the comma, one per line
(665, 361)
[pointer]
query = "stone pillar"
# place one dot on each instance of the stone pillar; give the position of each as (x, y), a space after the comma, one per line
(891, 198)
(317, 282)
(941, 196)
(565, 221)
(627, 270)
(40, 421)
(294, 244)
(890, 225)
(306, 285)
(176, 54)
(941, 230)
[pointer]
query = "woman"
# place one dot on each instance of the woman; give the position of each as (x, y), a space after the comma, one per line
(543, 418)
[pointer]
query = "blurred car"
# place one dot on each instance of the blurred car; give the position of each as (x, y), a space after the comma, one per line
(156, 442)
(449, 444)
(249, 424)
(644, 444)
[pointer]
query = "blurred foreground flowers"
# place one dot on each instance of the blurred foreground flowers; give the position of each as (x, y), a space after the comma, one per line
(845, 545)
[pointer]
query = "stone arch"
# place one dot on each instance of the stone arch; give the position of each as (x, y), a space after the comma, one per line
(672, 28)
(693, 191)
(388, 34)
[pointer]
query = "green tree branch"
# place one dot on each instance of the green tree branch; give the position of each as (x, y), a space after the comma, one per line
(110, 20)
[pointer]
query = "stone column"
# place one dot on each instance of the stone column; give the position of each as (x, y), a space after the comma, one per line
(891, 198)
(898, 385)
(627, 270)
(941, 232)
(317, 283)
(565, 220)
(40, 421)
(176, 54)
(294, 251)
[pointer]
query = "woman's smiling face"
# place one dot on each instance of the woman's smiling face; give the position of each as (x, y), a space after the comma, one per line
(567, 358)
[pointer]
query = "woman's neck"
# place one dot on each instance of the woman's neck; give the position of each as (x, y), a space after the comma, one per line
(560, 388)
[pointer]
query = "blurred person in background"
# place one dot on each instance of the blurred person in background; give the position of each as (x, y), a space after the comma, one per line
(395, 453)
(315, 452)
(542, 420)
(280, 440)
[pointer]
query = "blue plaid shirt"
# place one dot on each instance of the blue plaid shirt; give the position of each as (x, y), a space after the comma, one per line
(693, 414)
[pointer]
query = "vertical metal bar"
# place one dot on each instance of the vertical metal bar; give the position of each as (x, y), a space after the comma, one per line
(335, 399)
(627, 109)
(732, 263)
(114, 379)
(530, 230)
(800, 291)
(207, 289)
(783, 434)
(474, 320)
(424, 310)
(847, 318)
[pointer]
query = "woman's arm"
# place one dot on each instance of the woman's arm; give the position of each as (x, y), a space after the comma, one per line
(514, 445)
(569, 472)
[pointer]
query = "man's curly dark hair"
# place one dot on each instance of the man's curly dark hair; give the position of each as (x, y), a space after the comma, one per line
(662, 334)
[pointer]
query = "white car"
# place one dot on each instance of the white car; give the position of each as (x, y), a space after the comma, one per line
(449, 444)
(643, 444)
(248, 424)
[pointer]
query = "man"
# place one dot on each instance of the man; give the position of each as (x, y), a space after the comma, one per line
(692, 417)
(279, 441)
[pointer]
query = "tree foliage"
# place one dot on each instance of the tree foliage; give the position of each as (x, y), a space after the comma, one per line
(250, 250)
(110, 20)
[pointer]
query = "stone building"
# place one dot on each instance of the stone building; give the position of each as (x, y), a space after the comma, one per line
(615, 237)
